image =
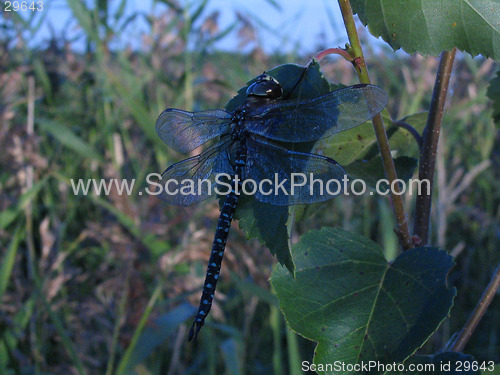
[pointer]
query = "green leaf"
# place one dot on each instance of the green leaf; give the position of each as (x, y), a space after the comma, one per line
(351, 145)
(372, 171)
(494, 95)
(355, 305)
(492, 370)
(267, 223)
(360, 156)
(356, 146)
(431, 26)
(360, 142)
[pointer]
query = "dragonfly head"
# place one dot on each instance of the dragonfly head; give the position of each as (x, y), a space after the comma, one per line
(265, 87)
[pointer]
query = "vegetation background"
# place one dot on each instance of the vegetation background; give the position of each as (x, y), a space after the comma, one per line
(103, 284)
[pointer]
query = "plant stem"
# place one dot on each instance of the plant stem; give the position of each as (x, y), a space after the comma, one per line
(188, 60)
(330, 51)
(430, 138)
(478, 312)
(403, 230)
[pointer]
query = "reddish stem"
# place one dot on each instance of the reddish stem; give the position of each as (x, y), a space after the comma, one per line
(333, 51)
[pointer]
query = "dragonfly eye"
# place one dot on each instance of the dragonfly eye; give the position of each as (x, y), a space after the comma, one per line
(265, 86)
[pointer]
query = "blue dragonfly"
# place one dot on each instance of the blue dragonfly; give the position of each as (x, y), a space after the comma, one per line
(253, 143)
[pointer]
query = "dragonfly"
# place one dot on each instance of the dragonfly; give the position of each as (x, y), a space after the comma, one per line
(255, 142)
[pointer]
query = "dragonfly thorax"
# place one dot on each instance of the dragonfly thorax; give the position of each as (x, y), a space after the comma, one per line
(238, 132)
(264, 90)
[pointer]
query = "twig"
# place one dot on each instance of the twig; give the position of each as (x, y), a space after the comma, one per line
(430, 143)
(457, 250)
(478, 313)
(378, 125)
(330, 51)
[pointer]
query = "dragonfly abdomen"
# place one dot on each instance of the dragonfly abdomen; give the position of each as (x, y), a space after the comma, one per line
(218, 246)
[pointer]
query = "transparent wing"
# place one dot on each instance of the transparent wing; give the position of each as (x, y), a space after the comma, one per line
(193, 180)
(184, 131)
(320, 179)
(307, 120)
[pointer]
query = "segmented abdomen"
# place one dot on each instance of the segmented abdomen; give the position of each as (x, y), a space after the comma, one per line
(218, 246)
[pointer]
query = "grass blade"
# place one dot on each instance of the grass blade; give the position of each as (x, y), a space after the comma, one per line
(69, 139)
(8, 261)
(126, 362)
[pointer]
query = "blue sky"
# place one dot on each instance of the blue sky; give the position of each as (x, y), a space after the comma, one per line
(298, 25)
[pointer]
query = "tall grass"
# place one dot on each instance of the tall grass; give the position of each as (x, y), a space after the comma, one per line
(99, 284)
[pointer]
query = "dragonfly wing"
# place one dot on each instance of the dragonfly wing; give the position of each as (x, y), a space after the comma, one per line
(184, 131)
(267, 161)
(306, 120)
(181, 183)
